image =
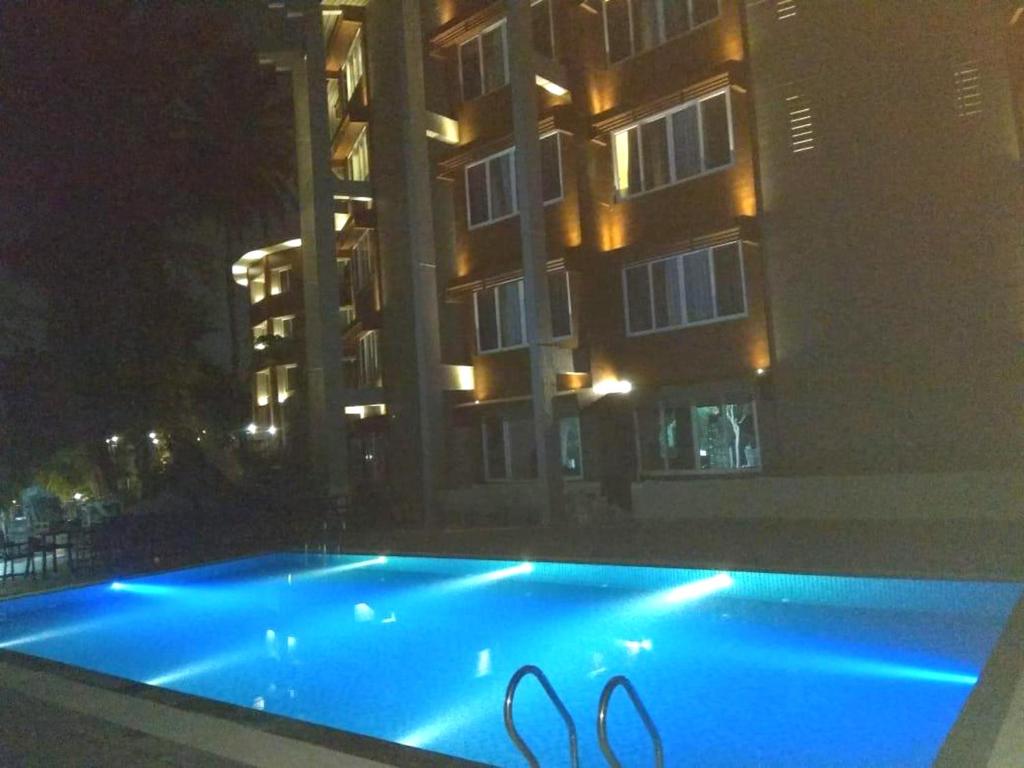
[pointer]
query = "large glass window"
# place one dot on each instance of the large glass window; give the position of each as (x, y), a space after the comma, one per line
(364, 263)
(691, 139)
(359, 158)
(689, 288)
(491, 183)
(698, 436)
(257, 284)
(286, 382)
(263, 387)
(561, 304)
(280, 280)
(551, 167)
(354, 68)
(483, 62)
(543, 27)
(369, 359)
(571, 446)
(509, 452)
(500, 313)
(634, 26)
(283, 326)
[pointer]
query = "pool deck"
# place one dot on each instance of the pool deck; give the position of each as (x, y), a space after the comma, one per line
(945, 549)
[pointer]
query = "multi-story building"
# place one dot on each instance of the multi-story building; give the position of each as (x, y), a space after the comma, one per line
(674, 256)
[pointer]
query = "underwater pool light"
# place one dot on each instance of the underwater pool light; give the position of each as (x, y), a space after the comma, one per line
(479, 579)
(695, 589)
(332, 569)
(143, 589)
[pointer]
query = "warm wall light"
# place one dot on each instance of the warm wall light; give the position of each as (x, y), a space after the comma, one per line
(553, 88)
(252, 429)
(271, 430)
(762, 371)
(613, 387)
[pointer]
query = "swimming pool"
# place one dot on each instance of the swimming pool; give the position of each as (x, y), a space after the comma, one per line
(735, 668)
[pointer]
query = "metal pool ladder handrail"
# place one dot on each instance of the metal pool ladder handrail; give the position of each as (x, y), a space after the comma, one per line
(510, 726)
(638, 705)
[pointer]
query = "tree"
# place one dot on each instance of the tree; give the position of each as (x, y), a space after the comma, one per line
(123, 124)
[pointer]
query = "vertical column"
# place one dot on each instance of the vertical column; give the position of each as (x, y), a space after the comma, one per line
(319, 265)
(402, 183)
(534, 247)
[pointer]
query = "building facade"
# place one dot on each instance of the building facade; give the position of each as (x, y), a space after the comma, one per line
(662, 258)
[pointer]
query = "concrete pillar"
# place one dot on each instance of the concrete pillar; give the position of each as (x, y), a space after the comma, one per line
(402, 182)
(543, 369)
(324, 378)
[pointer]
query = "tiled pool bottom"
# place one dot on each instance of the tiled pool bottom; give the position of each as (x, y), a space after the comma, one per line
(735, 668)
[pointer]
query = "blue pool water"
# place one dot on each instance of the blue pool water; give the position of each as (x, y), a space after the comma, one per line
(735, 668)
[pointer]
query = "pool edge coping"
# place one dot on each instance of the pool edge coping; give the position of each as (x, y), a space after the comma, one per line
(366, 748)
(975, 734)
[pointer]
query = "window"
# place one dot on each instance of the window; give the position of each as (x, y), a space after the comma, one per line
(280, 280)
(687, 289)
(335, 106)
(543, 28)
(700, 436)
(257, 285)
(369, 360)
(561, 305)
(263, 387)
(283, 326)
(687, 141)
(571, 446)
(491, 183)
(358, 163)
(500, 313)
(364, 263)
(551, 167)
(258, 332)
(491, 189)
(483, 62)
(286, 382)
(508, 448)
(353, 69)
(634, 26)
(499, 317)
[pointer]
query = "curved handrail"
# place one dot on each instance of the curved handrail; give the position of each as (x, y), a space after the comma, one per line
(638, 705)
(510, 726)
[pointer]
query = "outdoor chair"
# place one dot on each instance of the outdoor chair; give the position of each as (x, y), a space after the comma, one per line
(15, 545)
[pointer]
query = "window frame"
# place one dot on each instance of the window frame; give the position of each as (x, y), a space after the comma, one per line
(692, 404)
(486, 163)
(478, 40)
(561, 177)
(521, 282)
(551, 25)
(663, 39)
(357, 259)
(505, 447)
(666, 115)
(511, 151)
(561, 447)
(521, 290)
(287, 322)
(361, 367)
(648, 265)
(354, 48)
(285, 372)
(279, 284)
(361, 146)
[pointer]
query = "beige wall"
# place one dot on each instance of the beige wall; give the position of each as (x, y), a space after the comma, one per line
(893, 249)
